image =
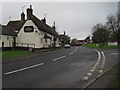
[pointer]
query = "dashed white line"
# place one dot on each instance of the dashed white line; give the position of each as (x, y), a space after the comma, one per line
(22, 69)
(92, 70)
(94, 67)
(85, 78)
(89, 74)
(101, 71)
(58, 58)
(71, 53)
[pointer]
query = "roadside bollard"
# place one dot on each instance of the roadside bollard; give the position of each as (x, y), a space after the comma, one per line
(31, 49)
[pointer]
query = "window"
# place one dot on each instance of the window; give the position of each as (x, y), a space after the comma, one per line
(45, 40)
(28, 29)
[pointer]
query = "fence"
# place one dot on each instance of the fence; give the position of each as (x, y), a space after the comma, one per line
(25, 45)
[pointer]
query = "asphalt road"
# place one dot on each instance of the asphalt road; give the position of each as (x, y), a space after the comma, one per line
(63, 68)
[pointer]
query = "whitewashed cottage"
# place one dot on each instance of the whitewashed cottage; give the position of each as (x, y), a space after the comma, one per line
(7, 37)
(34, 32)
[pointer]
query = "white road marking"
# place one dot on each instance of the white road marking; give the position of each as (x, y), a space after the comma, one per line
(99, 56)
(75, 51)
(103, 62)
(85, 78)
(89, 74)
(114, 53)
(92, 70)
(71, 53)
(22, 69)
(101, 71)
(94, 67)
(58, 58)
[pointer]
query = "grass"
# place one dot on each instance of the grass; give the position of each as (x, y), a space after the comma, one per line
(116, 83)
(93, 45)
(9, 54)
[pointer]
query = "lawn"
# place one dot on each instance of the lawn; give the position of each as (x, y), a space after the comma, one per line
(9, 54)
(93, 45)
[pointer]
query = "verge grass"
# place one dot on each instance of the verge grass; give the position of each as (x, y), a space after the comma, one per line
(93, 45)
(9, 54)
(116, 84)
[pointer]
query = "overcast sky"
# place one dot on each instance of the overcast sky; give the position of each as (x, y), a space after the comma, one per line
(76, 18)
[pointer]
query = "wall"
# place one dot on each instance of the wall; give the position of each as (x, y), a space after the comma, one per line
(35, 37)
(7, 40)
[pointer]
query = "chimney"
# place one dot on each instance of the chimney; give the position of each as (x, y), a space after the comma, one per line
(29, 13)
(22, 16)
(64, 33)
(44, 20)
(54, 25)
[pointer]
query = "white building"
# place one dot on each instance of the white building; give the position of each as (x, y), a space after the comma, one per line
(34, 32)
(7, 37)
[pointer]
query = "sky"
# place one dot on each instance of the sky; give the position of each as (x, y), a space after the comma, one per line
(76, 18)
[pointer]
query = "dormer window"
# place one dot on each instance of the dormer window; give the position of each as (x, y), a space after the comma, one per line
(28, 29)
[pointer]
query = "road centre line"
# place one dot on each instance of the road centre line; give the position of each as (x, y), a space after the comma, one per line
(22, 69)
(36, 65)
(58, 58)
(71, 53)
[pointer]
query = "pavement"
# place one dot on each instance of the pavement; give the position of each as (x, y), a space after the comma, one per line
(74, 67)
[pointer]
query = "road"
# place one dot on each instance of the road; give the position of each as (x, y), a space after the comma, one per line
(62, 68)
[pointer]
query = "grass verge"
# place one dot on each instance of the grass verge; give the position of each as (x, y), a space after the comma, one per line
(93, 45)
(116, 83)
(9, 54)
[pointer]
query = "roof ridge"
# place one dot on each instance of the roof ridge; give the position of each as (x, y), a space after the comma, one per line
(44, 27)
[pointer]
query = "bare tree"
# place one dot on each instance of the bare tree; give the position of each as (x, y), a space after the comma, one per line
(113, 23)
(100, 34)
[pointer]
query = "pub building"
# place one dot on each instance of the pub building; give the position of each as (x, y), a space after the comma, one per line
(33, 32)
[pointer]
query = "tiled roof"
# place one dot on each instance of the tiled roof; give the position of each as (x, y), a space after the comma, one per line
(44, 27)
(62, 36)
(46, 36)
(5, 30)
(17, 25)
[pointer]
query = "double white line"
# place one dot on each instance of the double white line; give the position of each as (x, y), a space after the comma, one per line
(103, 63)
(86, 77)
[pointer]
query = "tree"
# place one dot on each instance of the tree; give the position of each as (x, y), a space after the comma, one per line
(87, 39)
(113, 23)
(68, 39)
(100, 34)
(74, 42)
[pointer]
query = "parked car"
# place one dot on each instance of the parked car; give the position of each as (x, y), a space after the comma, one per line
(67, 46)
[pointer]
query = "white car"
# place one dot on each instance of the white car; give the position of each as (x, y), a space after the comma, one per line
(67, 46)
